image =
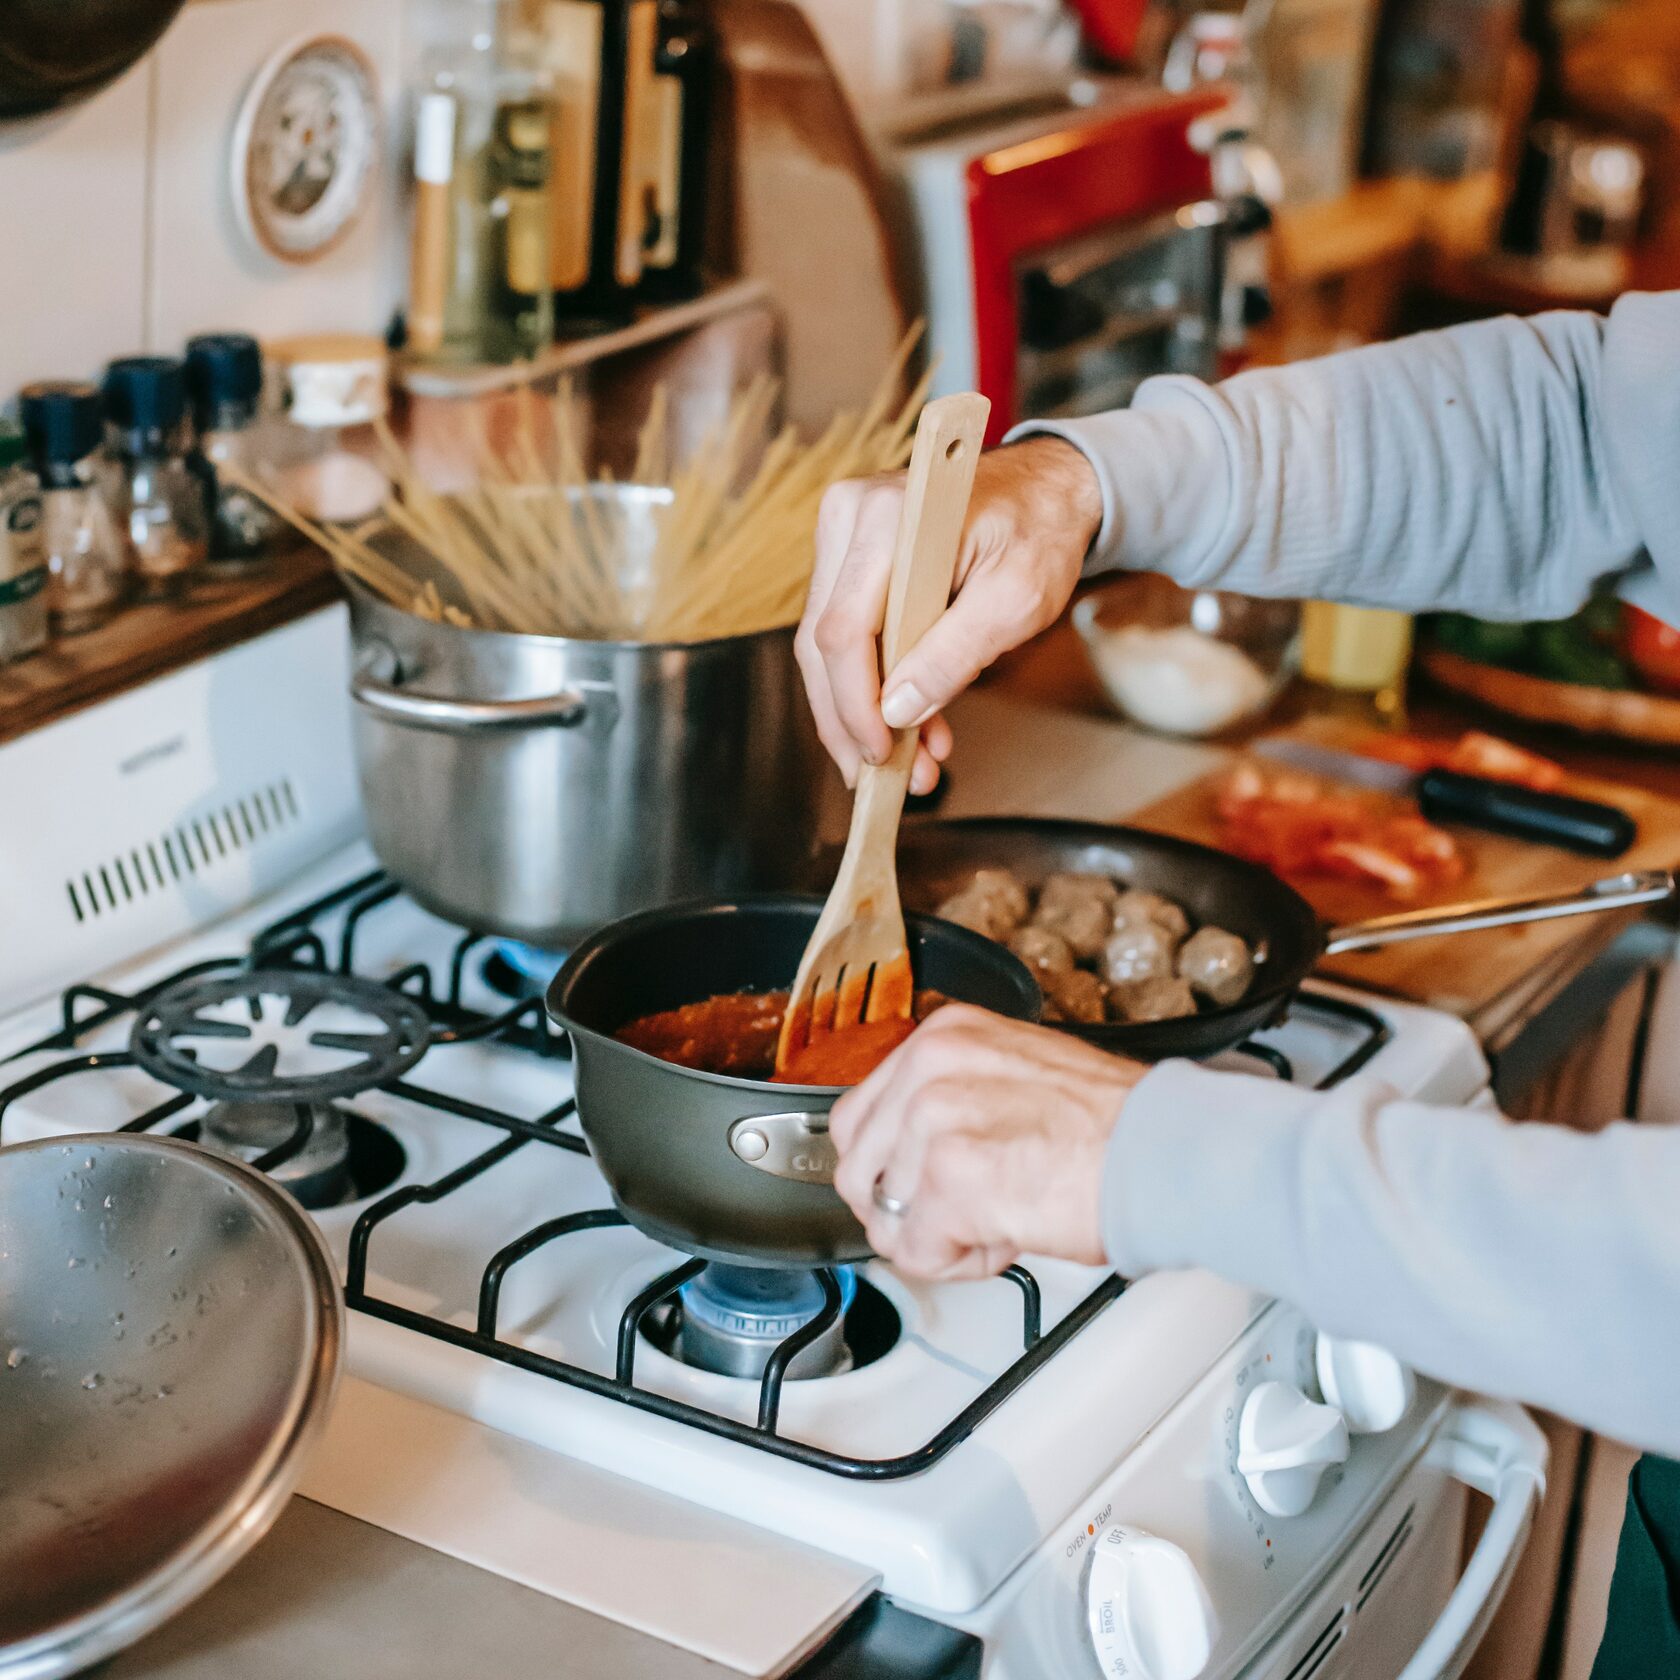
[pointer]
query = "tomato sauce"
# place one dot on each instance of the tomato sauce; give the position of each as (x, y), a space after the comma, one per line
(736, 1034)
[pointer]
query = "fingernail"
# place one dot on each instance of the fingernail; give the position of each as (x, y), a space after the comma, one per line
(870, 756)
(904, 706)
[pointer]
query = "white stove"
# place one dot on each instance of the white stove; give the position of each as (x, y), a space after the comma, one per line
(1047, 1462)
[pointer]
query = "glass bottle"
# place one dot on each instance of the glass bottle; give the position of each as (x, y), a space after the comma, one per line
(23, 566)
(498, 302)
(87, 559)
(225, 387)
(160, 502)
(678, 132)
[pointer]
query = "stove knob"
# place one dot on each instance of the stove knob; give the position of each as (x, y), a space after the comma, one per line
(1150, 1615)
(1285, 1443)
(1365, 1383)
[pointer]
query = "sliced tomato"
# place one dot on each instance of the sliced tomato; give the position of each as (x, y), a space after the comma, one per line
(1652, 648)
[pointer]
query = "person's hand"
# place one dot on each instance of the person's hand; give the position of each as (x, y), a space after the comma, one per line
(990, 1135)
(1035, 508)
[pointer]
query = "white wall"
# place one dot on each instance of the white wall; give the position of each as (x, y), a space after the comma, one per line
(119, 234)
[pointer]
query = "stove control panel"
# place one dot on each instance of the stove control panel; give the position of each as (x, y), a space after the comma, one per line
(1365, 1383)
(1150, 1615)
(1285, 1443)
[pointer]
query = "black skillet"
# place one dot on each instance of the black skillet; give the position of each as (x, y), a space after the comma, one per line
(935, 858)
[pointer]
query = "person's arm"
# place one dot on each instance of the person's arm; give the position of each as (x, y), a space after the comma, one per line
(1519, 1260)
(1467, 469)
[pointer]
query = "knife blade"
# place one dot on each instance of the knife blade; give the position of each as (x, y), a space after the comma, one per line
(1553, 819)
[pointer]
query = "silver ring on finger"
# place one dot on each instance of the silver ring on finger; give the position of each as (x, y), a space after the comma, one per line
(888, 1204)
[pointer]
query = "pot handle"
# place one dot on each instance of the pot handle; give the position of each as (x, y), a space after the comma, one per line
(418, 710)
(1616, 892)
(795, 1146)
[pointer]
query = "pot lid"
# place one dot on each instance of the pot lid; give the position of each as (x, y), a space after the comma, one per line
(170, 1330)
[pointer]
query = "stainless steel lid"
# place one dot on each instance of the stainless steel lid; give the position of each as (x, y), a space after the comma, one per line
(170, 1330)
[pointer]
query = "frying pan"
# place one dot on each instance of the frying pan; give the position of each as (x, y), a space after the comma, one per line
(728, 1168)
(935, 858)
(55, 52)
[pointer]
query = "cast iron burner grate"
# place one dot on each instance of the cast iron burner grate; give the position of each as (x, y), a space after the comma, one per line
(299, 942)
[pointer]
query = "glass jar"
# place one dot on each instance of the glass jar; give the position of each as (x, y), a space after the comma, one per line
(23, 566)
(495, 254)
(225, 387)
(336, 393)
(678, 139)
(87, 559)
(160, 502)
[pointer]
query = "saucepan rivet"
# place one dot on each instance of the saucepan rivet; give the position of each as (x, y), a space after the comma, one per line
(751, 1144)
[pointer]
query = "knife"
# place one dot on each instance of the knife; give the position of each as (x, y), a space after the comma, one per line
(1553, 819)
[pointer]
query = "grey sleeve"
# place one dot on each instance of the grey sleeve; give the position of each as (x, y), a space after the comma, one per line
(1525, 1261)
(1464, 469)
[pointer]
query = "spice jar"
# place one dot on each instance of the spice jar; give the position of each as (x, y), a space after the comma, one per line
(87, 560)
(160, 503)
(335, 392)
(23, 566)
(225, 387)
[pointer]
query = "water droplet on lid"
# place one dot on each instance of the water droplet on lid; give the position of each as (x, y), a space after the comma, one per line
(164, 1391)
(110, 1201)
(75, 1261)
(81, 1207)
(116, 1318)
(88, 1163)
(16, 1357)
(92, 1380)
(170, 1253)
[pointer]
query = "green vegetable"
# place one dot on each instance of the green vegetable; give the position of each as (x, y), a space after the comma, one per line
(1479, 639)
(1567, 652)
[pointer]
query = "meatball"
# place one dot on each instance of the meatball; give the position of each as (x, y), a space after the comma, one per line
(1136, 906)
(1067, 885)
(1047, 954)
(1217, 964)
(1138, 951)
(1163, 999)
(993, 902)
(1082, 922)
(1075, 996)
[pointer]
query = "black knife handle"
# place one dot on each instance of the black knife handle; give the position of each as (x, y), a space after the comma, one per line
(1554, 819)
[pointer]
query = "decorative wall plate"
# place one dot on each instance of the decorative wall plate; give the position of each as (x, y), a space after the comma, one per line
(306, 147)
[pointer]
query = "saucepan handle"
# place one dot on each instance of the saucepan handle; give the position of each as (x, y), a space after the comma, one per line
(1616, 892)
(416, 709)
(795, 1146)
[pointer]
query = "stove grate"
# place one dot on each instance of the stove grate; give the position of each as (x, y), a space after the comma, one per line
(300, 941)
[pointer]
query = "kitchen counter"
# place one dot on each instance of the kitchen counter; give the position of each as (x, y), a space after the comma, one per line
(325, 1595)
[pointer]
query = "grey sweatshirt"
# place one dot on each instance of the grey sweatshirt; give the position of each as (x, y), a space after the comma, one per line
(1500, 469)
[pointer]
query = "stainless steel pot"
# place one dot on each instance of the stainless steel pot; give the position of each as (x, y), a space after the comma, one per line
(539, 786)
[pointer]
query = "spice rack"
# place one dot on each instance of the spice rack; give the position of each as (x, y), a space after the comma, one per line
(146, 639)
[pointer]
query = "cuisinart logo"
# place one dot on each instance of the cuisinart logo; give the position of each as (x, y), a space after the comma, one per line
(156, 753)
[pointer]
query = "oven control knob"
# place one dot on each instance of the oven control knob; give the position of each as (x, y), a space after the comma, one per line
(1150, 1615)
(1365, 1383)
(1285, 1443)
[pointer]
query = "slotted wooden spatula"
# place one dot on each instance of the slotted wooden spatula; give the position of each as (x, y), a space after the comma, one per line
(857, 964)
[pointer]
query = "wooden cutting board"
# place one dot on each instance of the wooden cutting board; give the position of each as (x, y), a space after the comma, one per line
(1463, 973)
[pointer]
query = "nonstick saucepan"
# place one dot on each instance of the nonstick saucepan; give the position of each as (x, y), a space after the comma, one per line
(935, 858)
(729, 1168)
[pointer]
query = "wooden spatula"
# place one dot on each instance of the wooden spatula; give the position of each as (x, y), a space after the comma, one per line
(857, 964)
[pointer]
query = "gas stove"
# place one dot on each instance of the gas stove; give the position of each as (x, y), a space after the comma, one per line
(984, 1455)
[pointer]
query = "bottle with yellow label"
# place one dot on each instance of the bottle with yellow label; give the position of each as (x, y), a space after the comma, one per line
(1357, 651)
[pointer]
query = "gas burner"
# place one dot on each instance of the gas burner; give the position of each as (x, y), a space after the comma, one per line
(520, 971)
(731, 1319)
(284, 1036)
(323, 1155)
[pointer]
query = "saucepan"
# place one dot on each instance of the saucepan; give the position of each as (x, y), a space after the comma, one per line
(935, 858)
(723, 1167)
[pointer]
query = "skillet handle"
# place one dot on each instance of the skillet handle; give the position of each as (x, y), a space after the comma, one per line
(1617, 892)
